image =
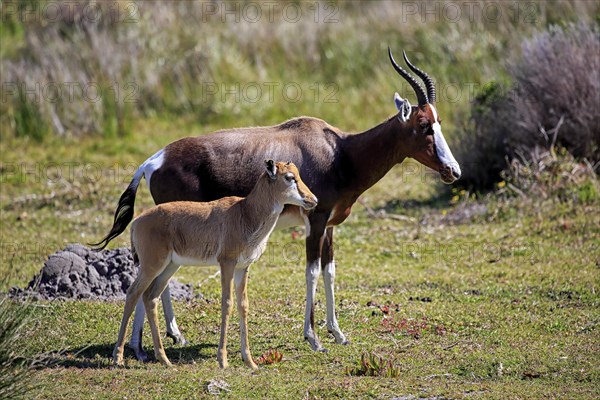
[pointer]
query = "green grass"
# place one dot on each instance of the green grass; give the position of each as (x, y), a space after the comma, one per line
(509, 298)
(513, 291)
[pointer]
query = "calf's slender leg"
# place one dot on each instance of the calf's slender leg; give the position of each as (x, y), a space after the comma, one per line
(151, 299)
(328, 265)
(173, 332)
(139, 285)
(227, 269)
(241, 285)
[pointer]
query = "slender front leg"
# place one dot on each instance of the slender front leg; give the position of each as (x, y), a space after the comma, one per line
(241, 292)
(172, 327)
(313, 267)
(227, 269)
(328, 264)
(135, 343)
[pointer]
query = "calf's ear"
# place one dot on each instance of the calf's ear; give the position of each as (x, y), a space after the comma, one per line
(271, 169)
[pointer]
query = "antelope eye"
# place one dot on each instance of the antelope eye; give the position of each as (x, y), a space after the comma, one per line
(290, 178)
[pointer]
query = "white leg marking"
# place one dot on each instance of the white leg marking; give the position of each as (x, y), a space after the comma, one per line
(138, 324)
(332, 324)
(172, 327)
(312, 277)
(135, 343)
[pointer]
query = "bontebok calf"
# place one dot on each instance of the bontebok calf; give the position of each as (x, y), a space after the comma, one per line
(230, 232)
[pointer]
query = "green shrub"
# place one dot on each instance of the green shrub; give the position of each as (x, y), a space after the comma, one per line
(556, 80)
(552, 101)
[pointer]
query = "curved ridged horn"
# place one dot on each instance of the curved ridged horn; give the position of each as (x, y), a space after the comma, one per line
(426, 79)
(421, 95)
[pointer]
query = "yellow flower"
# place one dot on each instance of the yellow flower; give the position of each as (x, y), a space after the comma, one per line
(501, 184)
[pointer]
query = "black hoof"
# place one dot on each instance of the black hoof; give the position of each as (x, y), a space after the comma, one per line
(141, 355)
(178, 339)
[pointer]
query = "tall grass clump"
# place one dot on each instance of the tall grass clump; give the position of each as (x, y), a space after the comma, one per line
(15, 372)
(552, 100)
(96, 66)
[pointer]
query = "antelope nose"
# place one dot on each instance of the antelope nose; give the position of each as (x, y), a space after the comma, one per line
(311, 201)
(455, 171)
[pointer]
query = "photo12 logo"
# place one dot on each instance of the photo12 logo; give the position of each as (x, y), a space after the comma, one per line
(269, 92)
(70, 10)
(527, 12)
(69, 92)
(24, 172)
(269, 11)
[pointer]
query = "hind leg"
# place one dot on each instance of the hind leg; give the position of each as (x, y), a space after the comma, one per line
(141, 283)
(135, 343)
(241, 282)
(151, 299)
(227, 269)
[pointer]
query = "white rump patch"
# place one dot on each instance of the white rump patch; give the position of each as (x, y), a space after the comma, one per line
(152, 164)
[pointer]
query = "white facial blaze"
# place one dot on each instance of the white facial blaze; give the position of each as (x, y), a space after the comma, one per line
(441, 147)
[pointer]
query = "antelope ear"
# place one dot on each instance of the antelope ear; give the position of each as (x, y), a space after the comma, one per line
(271, 169)
(403, 107)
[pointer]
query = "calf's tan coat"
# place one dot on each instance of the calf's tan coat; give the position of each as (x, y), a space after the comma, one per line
(231, 232)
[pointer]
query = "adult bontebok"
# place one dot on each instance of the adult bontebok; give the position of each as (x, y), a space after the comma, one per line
(337, 166)
(231, 232)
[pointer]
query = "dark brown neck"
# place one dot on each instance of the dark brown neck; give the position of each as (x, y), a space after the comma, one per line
(374, 152)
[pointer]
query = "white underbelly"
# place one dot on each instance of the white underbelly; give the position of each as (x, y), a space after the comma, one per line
(184, 260)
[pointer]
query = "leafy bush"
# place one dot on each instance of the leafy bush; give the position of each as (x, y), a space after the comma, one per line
(553, 100)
